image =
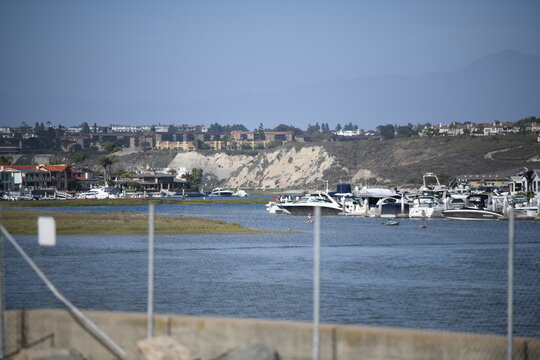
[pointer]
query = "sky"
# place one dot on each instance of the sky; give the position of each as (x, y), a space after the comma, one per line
(181, 51)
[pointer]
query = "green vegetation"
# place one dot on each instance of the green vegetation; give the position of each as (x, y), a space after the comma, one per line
(404, 160)
(193, 179)
(25, 222)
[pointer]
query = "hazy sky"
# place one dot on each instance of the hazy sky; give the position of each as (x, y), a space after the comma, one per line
(178, 51)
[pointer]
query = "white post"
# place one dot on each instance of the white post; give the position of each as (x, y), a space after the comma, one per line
(366, 207)
(316, 282)
(150, 329)
(402, 205)
(510, 299)
(87, 323)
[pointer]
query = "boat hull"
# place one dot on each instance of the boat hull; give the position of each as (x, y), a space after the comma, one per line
(221, 194)
(305, 210)
(419, 212)
(471, 214)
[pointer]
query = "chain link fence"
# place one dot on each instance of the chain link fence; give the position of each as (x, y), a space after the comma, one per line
(386, 292)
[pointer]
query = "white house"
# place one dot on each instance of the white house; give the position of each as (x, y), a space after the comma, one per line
(349, 132)
(519, 183)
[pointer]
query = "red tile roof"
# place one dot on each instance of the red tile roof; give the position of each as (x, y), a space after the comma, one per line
(56, 167)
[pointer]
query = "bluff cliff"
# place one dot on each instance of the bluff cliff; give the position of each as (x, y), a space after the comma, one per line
(389, 161)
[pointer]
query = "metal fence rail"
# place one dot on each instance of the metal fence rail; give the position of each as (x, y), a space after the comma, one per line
(322, 340)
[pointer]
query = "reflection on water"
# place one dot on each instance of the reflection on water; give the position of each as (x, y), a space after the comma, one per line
(450, 276)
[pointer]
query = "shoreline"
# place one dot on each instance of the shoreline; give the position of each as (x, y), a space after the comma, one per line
(24, 222)
(131, 202)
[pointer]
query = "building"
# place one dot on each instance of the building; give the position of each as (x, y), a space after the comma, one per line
(5, 130)
(176, 145)
(356, 132)
(533, 127)
(129, 128)
(255, 140)
(38, 179)
(481, 180)
(518, 182)
(303, 138)
(156, 181)
(498, 128)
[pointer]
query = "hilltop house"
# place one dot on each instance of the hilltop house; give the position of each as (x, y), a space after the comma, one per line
(498, 128)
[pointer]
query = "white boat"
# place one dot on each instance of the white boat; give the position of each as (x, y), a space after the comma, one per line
(169, 193)
(240, 193)
(390, 207)
(370, 201)
(431, 184)
(306, 205)
(220, 192)
(476, 208)
(426, 207)
(273, 207)
(101, 193)
(524, 207)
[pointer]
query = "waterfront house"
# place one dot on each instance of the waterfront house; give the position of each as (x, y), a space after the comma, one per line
(519, 183)
(156, 181)
(40, 179)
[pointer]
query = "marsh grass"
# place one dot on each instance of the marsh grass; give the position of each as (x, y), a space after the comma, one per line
(25, 222)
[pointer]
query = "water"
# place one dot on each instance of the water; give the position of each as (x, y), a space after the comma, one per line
(450, 276)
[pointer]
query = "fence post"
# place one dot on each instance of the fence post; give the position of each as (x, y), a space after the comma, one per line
(150, 320)
(510, 299)
(2, 299)
(316, 282)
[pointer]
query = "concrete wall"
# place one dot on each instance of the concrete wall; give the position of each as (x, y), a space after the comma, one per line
(210, 337)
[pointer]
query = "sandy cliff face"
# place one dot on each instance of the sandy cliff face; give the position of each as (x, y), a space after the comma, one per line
(397, 160)
(221, 165)
(284, 168)
(280, 168)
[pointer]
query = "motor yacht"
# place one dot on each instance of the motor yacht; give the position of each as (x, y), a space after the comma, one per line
(220, 192)
(240, 193)
(476, 208)
(274, 206)
(306, 205)
(426, 207)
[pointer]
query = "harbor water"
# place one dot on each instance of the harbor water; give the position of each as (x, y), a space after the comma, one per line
(448, 276)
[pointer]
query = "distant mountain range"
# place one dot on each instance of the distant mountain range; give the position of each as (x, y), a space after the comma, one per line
(504, 86)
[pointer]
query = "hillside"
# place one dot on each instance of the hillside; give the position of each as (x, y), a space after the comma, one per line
(296, 166)
(405, 160)
(396, 161)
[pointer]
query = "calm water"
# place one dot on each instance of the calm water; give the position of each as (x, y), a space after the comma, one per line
(450, 276)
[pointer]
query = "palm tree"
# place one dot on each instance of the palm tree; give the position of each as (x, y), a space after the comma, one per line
(528, 174)
(106, 162)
